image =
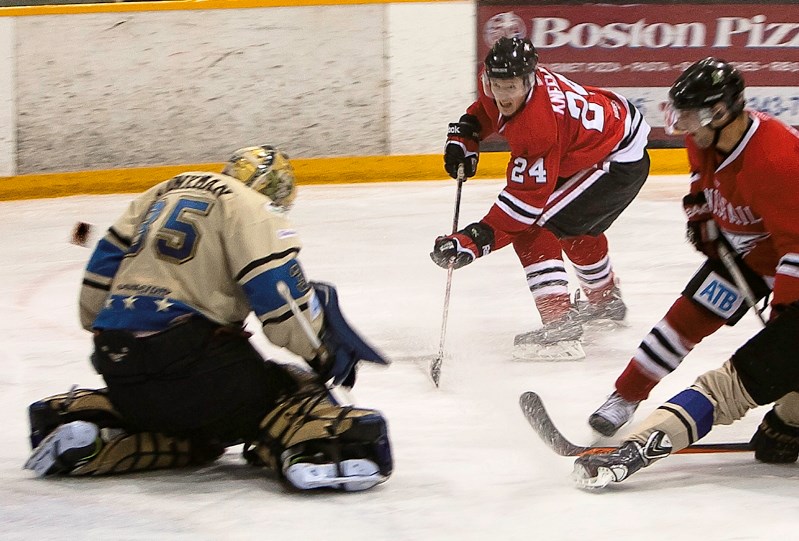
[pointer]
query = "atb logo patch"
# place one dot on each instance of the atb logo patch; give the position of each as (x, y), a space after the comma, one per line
(719, 296)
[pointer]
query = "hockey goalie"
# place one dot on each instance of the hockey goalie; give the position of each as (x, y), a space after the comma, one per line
(165, 295)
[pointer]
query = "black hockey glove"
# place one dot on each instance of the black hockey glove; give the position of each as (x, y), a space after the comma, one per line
(701, 231)
(463, 247)
(463, 146)
(776, 442)
(342, 347)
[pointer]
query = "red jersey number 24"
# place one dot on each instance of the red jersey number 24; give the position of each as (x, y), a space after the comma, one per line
(537, 172)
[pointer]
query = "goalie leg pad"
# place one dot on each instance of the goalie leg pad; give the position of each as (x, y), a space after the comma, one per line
(145, 451)
(92, 405)
(767, 363)
(314, 442)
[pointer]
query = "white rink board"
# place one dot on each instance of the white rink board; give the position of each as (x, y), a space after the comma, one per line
(431, 67)
(7, 118)
(146, 88)
(779, 101)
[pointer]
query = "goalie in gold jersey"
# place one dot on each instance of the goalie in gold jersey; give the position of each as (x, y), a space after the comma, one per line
(166, 292)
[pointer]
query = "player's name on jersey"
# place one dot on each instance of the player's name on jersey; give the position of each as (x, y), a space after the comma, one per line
(145, 289)
(209, 183)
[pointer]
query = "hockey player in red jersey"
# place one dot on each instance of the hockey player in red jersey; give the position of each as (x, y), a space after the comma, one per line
(578, 158)
(745, 185)
(716, 153)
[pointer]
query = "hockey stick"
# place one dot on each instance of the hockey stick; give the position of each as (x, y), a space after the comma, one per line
(737, 276)
(535, 413)
(341, 395)
(435, 365)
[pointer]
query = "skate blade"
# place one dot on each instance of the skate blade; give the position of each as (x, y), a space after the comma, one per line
(567, 350)
(604, 324)
(583, 480)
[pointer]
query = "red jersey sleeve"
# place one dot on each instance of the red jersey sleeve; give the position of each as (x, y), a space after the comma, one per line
(486, 125)
(776, 196)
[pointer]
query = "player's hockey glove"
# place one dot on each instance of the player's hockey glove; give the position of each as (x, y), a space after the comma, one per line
(776, 442)
(702, 231)
(463, 247)
(463, 146)
(342, 347)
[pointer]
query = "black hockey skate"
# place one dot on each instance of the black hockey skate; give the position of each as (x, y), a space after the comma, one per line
(557, 340)
(610, 309)
(65, 448)
(599, 470)
(613, 414)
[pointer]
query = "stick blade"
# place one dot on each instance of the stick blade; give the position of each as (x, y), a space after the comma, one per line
(536, 414)
(435, 369)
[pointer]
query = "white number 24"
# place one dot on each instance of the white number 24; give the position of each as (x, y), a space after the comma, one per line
(536, 171)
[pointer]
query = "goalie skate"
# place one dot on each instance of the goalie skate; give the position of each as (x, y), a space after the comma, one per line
(349, 475)
(65, 448)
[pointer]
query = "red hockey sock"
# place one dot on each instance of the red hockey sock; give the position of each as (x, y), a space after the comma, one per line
(591, 261)
(690, 323)
(552, 307)
(585, 250)
(633, 384)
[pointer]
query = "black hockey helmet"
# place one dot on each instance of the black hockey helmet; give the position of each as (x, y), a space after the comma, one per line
(511, 57)
(707, 82)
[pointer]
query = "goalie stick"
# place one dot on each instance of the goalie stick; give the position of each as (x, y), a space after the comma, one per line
(535, 413)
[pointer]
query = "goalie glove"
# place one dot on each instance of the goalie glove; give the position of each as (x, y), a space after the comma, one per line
(701, 230)
(463, 247)
(463, 146)
(343, 348)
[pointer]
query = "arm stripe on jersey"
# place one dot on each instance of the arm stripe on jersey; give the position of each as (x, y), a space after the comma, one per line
(96, 285)
(258, 262)
(518, 205)
(285, 316)
(789, 265)
(124, 241)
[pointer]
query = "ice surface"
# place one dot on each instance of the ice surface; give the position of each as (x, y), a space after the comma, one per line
(467, 465)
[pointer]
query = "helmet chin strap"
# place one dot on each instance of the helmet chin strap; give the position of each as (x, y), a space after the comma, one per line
(717, 130)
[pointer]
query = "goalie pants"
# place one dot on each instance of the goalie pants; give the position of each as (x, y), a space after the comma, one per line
(762, 371)
(197, 380)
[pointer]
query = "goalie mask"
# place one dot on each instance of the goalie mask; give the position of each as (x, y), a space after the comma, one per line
(266, 170)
